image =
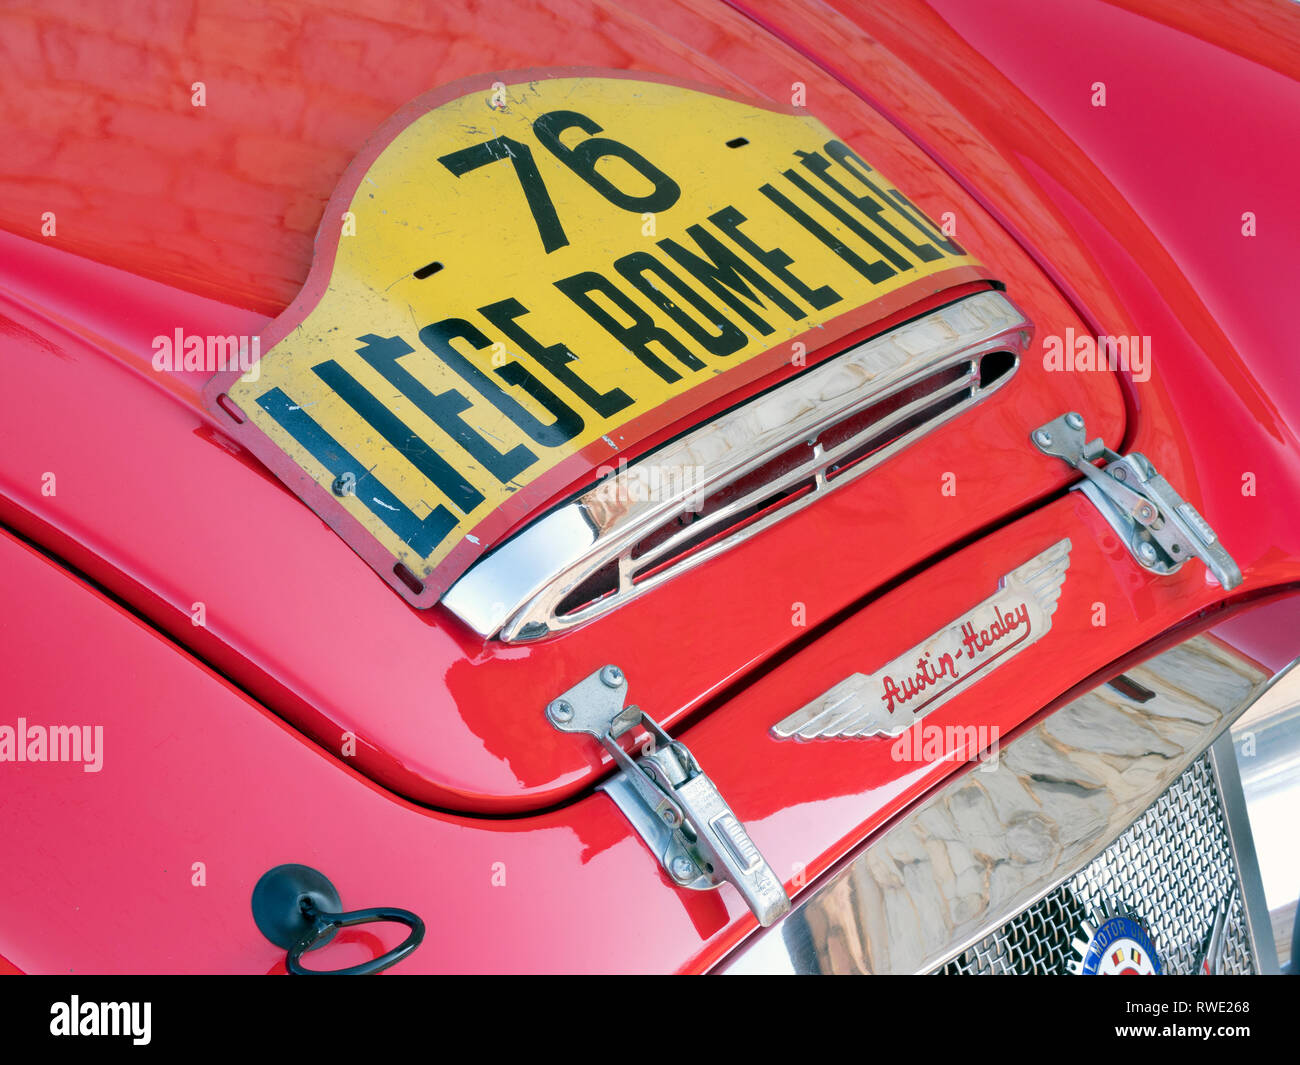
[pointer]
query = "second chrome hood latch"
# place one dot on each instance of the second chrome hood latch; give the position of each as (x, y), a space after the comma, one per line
(675, 808)
(1160, 528)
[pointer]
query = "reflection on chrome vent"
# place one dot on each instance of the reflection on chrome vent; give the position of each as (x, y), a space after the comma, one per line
(747, 469)
(782, 482)
(1171, 868)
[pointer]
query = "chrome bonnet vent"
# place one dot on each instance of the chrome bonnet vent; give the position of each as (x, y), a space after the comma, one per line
(723, 482)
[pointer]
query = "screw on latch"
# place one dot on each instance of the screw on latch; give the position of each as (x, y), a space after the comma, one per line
(1043, 437)
(611, 676)
(560, 711)
(1146, 552)
(668, 814)
(1074, 420)
(345, 484)
(683, 868)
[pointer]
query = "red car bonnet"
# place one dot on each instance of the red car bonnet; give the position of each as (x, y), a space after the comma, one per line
(156, 503)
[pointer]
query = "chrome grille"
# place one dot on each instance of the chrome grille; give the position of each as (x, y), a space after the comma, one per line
(1172, 867)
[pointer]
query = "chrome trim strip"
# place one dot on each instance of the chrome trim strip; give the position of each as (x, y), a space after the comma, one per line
(997, 839)
(499, 582)
(1223, 760)
(515, 592)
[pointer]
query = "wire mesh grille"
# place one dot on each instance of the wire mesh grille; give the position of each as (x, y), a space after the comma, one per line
(1172, 868)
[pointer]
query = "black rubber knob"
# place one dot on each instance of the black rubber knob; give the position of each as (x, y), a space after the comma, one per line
(296, 907)
(280, 903)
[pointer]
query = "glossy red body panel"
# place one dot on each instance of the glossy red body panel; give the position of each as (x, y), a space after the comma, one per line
(193, 771)
(175, 515)
(197, 771)
(1129, 206)
(302, 625)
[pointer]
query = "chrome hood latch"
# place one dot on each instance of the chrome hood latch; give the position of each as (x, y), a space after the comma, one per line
(672, 804)
(1160, 528)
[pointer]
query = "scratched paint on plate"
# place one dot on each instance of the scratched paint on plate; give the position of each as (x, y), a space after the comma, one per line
(509, 275)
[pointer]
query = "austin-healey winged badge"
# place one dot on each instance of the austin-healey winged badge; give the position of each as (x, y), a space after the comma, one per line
(890, 700)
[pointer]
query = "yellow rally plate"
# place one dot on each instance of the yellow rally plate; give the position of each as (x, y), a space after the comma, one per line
(515, 279)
